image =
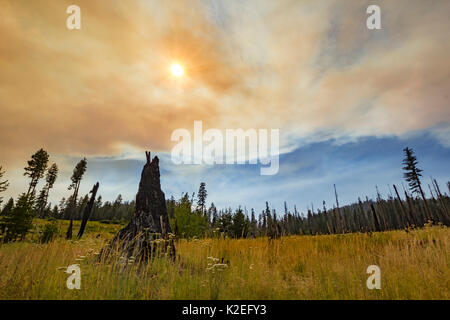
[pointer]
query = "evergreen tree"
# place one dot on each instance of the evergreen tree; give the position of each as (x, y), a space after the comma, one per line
(3, 184)
(171, 207)
(253, 224)
(187, 223)
(240, 226)
(8, 207)
(96, 210)
(212, 215)
(50, 179)
(76, 178)
(226, 223)
(274, 233)
(268, 221)
(118, 201)
(412, 175)
(6, 212)
(17, 223)
(62, 206)
(36, 169)
(202, 194)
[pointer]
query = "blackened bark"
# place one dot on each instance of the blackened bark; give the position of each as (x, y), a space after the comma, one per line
(150, 220)
(402, 208)
(69, 230)
(87, 210)
(375, 218)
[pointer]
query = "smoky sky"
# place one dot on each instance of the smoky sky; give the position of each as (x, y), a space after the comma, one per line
(309, 68)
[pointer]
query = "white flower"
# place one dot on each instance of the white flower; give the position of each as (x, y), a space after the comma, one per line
(213, 259)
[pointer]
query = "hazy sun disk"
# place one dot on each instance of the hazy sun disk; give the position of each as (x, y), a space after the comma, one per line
(177, 70)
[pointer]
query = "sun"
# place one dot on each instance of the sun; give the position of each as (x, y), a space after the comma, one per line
(177, 70)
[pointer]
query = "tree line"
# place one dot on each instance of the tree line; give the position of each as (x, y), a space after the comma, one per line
(16, 218)
(190, 217)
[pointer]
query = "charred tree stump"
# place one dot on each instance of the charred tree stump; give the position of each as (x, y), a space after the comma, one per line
(149, 228)
(87, 210)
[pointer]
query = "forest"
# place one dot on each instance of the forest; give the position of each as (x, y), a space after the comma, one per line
(191, 217)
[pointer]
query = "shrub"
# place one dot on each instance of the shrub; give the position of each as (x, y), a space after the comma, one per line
(49, 232)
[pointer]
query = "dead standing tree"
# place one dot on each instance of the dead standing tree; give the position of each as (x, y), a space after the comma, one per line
(88, 210)
(149, 228)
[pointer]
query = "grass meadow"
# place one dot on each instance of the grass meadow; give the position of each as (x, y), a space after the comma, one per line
(414, 265)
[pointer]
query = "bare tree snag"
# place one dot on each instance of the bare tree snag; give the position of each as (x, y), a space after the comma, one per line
(69, 230)
(402, 208)
(149, 228)
(375, 217)
(87, 210)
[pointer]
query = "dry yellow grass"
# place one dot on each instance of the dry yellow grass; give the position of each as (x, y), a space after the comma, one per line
(414, 265)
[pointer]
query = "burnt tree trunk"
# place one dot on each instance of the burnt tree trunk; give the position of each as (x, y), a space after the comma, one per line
(69, 230)
(375, 218)
(149, 228)
(87, 210)
(402, 208)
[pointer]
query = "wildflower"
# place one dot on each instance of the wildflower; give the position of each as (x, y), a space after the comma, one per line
(213, 259)
(218, 267)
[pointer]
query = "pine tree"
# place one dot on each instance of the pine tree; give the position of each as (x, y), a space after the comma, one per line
(50, 179)
(240, 226)
(187, 223)
(202, 194)
(6, 212)
(214, 215)
(268, 220)
(225, 222)
(412, 172)
(253, 224)
(118, 201)
(36, 169)
(62, 205)
(170, 204)
(8, 207)
(275, 234)
(412, 175)
(76, 178)
(96, 210)
(3, 184)
(17, 223)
